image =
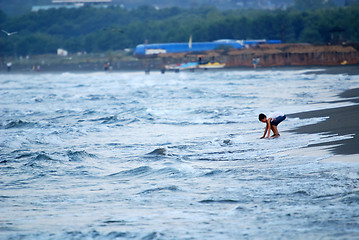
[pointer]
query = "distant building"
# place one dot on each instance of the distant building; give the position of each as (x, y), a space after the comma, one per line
(163, 48)
(72, 4)
(62, 52)
(81, 1)
(47, 7)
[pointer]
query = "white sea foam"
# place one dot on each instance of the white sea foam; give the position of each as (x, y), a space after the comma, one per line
(75, 162)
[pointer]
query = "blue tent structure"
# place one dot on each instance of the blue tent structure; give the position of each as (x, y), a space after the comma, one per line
(161, 48)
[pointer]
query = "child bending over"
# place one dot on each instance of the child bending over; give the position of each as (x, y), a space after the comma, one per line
(271, 123)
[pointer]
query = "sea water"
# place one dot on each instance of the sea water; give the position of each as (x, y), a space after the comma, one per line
(170, 156)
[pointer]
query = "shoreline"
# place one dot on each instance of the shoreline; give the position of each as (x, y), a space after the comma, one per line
(341, 121)
(136, 66)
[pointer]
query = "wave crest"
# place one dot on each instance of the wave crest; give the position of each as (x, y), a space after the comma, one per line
(18, 124)
(79, 155)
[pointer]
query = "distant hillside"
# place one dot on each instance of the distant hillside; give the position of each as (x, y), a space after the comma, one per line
(19, 7)
(93, 30)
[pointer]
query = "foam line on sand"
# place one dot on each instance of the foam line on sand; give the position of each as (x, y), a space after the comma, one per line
(340, 121)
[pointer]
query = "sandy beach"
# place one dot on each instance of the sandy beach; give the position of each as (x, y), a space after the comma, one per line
(341, 121)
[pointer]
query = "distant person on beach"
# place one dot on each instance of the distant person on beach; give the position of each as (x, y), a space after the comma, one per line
(106, 66)
(255, 62)
(9, 65)
(271, 123)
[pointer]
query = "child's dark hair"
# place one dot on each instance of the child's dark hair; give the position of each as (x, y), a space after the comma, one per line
(262, 116)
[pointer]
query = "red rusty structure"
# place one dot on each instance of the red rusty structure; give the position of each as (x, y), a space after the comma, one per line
(266, 55)
(294, 55)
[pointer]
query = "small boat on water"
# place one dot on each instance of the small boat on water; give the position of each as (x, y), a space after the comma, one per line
(211, 65)
(194, 65)
(182, 66)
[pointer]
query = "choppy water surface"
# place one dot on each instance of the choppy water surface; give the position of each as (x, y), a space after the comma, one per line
(174, 156)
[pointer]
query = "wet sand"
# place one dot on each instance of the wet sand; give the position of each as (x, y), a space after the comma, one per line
(344, 69)
(341, 121)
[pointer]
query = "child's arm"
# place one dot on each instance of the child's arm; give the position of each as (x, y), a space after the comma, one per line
(265, 131)
(268, 126)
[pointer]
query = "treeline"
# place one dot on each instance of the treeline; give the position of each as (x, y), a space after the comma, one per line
(93, 29)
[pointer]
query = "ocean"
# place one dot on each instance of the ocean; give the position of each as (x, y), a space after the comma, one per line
(125, 155)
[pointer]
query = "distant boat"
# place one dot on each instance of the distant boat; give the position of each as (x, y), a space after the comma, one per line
(194, 65)
(182, 66)
(212, 65)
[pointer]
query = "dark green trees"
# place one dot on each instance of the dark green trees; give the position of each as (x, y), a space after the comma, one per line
(98, 30)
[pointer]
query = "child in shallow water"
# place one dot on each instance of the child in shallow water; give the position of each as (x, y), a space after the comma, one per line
(271, 123)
